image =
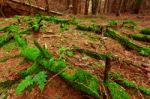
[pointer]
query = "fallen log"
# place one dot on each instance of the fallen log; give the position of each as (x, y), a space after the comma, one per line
(27, 7)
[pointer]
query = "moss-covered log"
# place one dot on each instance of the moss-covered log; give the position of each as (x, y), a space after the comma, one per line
(93, 28)
(115, 90)
(127, 43)
(92, 54)
(5, 38)
(56, 20)
(124, 82)
(146, 31)
(78, 78)
(140, 37)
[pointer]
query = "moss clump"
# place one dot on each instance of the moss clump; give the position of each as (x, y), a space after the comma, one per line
(10, 46)
(127, 43)
(116, 91)
(22, 43)
(145, 31)
(130, 84)
(82, 80)
(30, 53)
(141, 37)
(92, 28)
(54, 19)
(113, 23)
(5, 38)
(92, 54)
(129, 22)
(25, 31)
(3, 28)
(144, 90)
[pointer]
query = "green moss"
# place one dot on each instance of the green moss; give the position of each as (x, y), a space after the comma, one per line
(146, 31)
(113, 23)
(5, 38)
(32, 69)
(92, 28)
(116, 91)
(82, 80)
(141, 37)
(54, 19)
(144, 90)
(92, 54)
(10, 46)
(25, 31)
(130, 84)
(3, 28)
(30, 53)
(127, 43)
(22, 43)
(13, 28)
(129, 22)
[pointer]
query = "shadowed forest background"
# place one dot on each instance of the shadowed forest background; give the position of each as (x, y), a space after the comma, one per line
(83, 7)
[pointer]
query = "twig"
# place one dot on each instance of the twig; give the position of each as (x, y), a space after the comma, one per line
(57, 74)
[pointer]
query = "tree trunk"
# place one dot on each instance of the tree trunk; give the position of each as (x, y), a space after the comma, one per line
(94, 6)
(86, 7)
(105, 7)
(119, 8)
(137, 6)
(75, 6)
(47, 6)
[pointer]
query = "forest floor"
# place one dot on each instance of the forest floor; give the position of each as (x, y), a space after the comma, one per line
(51, 35)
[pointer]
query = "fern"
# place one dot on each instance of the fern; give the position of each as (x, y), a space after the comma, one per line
(63, 27)
(32, 69)
(40, 78)
(24, 84)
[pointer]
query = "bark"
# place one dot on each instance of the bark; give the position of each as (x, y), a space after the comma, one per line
(119, 8)
(137, 6)
(86, 7)
(105, 7)
(94, 6)
(47, 6)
